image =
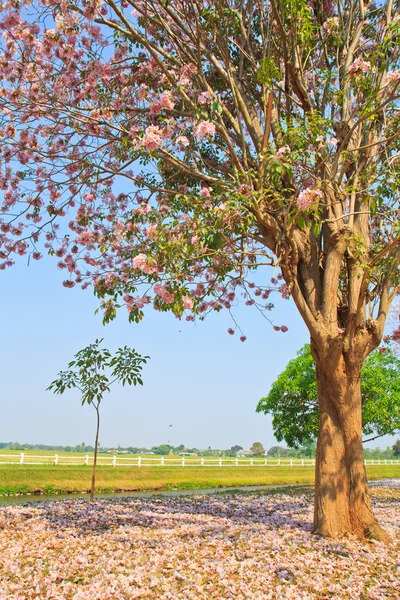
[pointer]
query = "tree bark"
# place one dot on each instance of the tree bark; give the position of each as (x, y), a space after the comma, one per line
(342, 503)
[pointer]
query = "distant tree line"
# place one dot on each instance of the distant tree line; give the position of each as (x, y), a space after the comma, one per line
(305, 451)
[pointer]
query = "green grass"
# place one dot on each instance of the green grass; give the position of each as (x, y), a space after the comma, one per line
(50, 479)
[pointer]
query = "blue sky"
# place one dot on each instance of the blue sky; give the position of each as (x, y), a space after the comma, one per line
(202, 381)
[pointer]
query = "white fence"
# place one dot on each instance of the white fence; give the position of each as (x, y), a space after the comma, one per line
(164, 461)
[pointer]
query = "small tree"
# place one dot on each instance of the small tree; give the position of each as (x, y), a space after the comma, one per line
(93, 372)
(257, 449)
(293, 401)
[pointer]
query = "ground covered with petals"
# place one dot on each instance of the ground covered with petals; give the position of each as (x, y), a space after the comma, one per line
(255, 546)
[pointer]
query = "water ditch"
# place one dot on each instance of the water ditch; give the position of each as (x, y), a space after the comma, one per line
(29, 498)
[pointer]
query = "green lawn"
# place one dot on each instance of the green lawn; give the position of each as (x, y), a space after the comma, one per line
(21, 479)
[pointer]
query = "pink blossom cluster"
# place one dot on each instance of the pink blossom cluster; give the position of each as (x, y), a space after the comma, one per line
(308, 197)
(152, 138)
(182, 140)
(282, 152)
(166, 296)
(204, 98)
(254, 546)
(359, 66)
(331, 24)
(205, 128)
(187, 302)
(85, 238)
(135, 301)
(393, 76)
(141, 263)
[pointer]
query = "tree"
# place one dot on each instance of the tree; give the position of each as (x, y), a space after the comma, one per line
(257, 449)
(236, 448)
(93, 372)
(243, 136)
(277, 451)
(396, 448)
(293, 402)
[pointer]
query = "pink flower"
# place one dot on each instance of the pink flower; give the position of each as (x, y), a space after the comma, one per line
(166, 100)
(152, 138)
(396, 335)
(139, 261)
(85, 238)
(392, 76)
(156, 107)
(358, 66)
(164, 294)
(204, 128)
(333, 141)
(205, 192)
(307, 198)
(182, 140)
(187, 302)
(204, 98)
(282, 152)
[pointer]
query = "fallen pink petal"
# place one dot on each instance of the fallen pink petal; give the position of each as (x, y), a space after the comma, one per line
(252, 545)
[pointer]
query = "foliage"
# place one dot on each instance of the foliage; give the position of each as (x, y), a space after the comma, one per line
(88, 372)
(278, 451)
(93, 372)
(242, 137)
(293, 402)
(396, 448)
(236, 448)
(257, 449)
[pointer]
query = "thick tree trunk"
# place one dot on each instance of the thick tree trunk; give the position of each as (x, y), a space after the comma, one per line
(342, 502)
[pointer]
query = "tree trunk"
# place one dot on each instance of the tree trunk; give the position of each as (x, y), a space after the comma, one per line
(95, 455)
(342, 502)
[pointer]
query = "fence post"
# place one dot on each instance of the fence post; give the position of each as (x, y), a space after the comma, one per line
(237, 462)
(21, 459)
(302, 462)
(87, 459)
(183, 461)
(56, 459)
(202, 462)
(251, 462)
(266, 462)
(291, 462)
(313, 463)
(379, 461)
(162, 461)
(139, 460)
(114, 461)
(279, 461)
(220, 462)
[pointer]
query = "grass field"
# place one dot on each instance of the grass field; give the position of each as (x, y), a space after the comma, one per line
(50, 479)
